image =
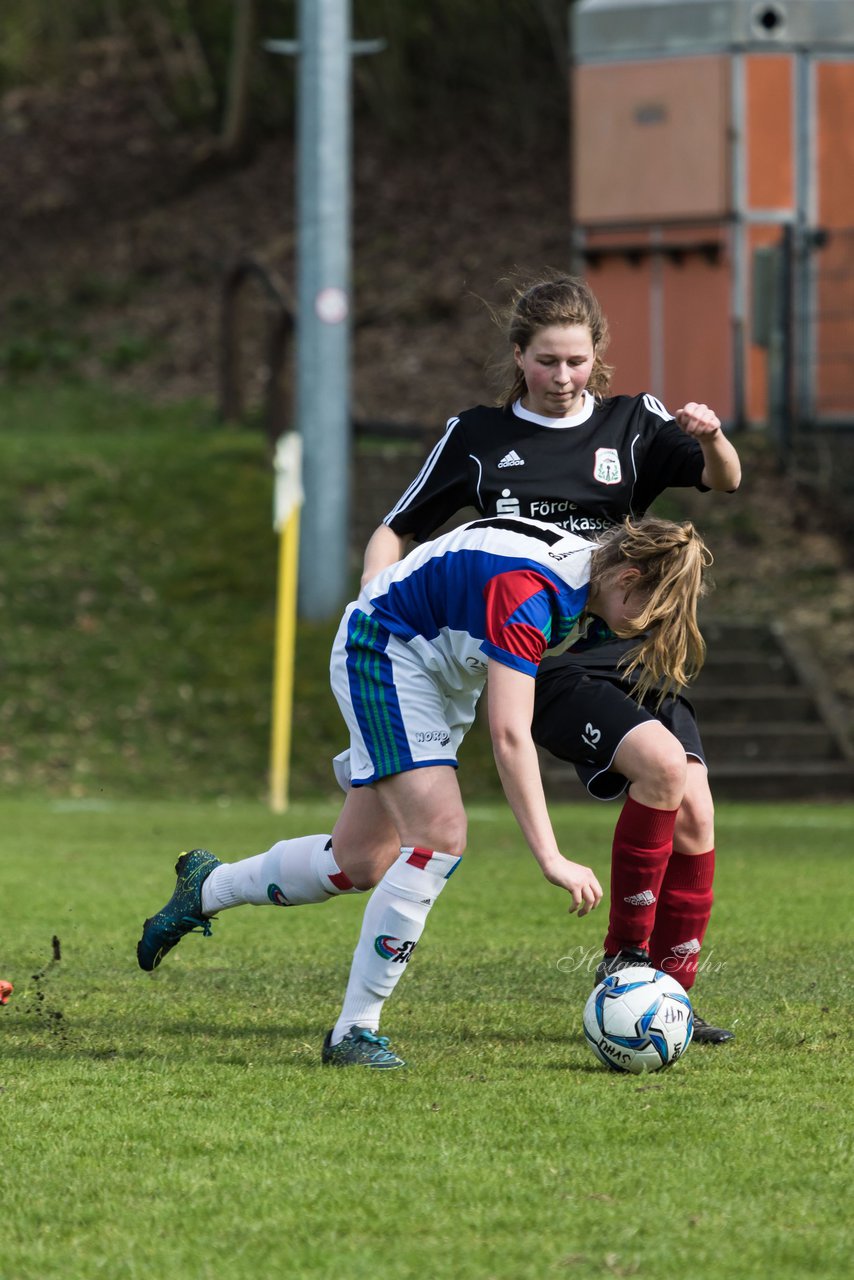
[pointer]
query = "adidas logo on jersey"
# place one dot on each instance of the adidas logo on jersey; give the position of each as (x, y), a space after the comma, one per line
(512, 459)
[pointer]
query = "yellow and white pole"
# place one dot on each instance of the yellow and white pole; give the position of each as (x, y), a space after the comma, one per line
(288, 498)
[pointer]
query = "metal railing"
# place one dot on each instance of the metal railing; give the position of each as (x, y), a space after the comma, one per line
(803, 290)
(280, 328)
(281, 324)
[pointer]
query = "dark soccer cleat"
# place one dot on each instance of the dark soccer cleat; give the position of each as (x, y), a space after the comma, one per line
(628, 958)
(359, 1048)
(182, 913)
(705, 1033)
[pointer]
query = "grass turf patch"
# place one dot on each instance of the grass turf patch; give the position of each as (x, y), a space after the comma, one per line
(180, 1123)
(137, 578)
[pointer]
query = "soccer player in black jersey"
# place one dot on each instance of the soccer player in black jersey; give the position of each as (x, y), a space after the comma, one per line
(559, 448)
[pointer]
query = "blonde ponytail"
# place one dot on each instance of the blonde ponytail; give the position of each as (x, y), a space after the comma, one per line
(671, 560)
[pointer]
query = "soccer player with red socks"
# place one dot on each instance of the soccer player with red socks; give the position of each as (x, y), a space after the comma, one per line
(559, 447)
(410, 660)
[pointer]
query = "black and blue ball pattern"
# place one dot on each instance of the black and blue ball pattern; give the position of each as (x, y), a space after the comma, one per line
(638, 1020)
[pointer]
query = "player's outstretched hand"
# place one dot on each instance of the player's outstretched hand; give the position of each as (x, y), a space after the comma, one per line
(698, 420)
(579, 881)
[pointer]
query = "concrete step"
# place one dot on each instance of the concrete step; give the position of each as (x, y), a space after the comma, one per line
(735, 633)
(752, 704)
(768, 780)
(743, 781)
(734, 667)
(730, 742)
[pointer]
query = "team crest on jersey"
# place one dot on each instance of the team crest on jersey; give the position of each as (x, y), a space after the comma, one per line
(606, 466)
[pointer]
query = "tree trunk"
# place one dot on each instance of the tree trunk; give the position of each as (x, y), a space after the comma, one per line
(235, 133)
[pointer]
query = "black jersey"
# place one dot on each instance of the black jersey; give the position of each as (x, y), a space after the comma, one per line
(613, 461)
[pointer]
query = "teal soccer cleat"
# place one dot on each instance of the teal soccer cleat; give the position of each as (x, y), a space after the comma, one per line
(182, 913)
(360, 1048)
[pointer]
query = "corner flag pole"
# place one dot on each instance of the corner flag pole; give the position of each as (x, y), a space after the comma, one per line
(288, 498)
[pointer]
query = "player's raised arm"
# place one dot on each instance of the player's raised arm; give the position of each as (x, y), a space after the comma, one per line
(722, 469)
(510, 699)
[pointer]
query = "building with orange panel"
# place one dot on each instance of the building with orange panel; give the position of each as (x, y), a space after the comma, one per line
(703, 131)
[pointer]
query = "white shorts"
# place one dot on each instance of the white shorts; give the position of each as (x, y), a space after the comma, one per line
(399, 715)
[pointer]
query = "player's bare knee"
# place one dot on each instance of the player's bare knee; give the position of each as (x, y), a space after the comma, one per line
(367, 877)
(366, 861)
(695, 824)
(654, 761)
(449, 835)
(454, 841)
(670, 768)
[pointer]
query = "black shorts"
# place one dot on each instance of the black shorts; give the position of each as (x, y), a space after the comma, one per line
(583, 715)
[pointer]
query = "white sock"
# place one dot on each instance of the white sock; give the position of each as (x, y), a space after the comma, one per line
(291, 874)
(393, 922)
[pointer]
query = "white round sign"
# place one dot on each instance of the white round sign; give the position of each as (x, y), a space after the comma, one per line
(331, 305)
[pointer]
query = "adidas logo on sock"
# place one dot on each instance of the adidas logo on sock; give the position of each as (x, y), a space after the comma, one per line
(687, 948)
(645, 899)
(512, 459)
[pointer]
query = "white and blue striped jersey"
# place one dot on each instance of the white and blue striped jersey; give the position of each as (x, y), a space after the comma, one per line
(503, 588)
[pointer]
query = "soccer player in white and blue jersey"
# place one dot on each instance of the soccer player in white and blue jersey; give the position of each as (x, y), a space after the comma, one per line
(412, 653)
(481, 605)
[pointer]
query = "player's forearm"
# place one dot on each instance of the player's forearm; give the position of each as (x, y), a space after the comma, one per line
(384, 547)
(519, 771)
(722, 469)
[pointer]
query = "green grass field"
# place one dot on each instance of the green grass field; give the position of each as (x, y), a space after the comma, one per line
(179, 1124)
(137, 582)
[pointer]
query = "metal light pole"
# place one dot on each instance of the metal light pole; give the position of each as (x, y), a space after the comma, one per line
(323, 301)
(323, 49)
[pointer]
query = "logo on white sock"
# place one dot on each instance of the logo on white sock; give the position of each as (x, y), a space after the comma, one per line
(645, 899)
(276, 896)
(686, 948)
(394, 949)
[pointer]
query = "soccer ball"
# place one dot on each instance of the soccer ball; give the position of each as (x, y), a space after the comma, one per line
(639, 1019)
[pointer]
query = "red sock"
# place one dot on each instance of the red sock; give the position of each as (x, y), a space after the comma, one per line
(684, 908)
(643, 841)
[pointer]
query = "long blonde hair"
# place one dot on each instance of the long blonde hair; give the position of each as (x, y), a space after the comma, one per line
(556, 300)
(671, 560)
